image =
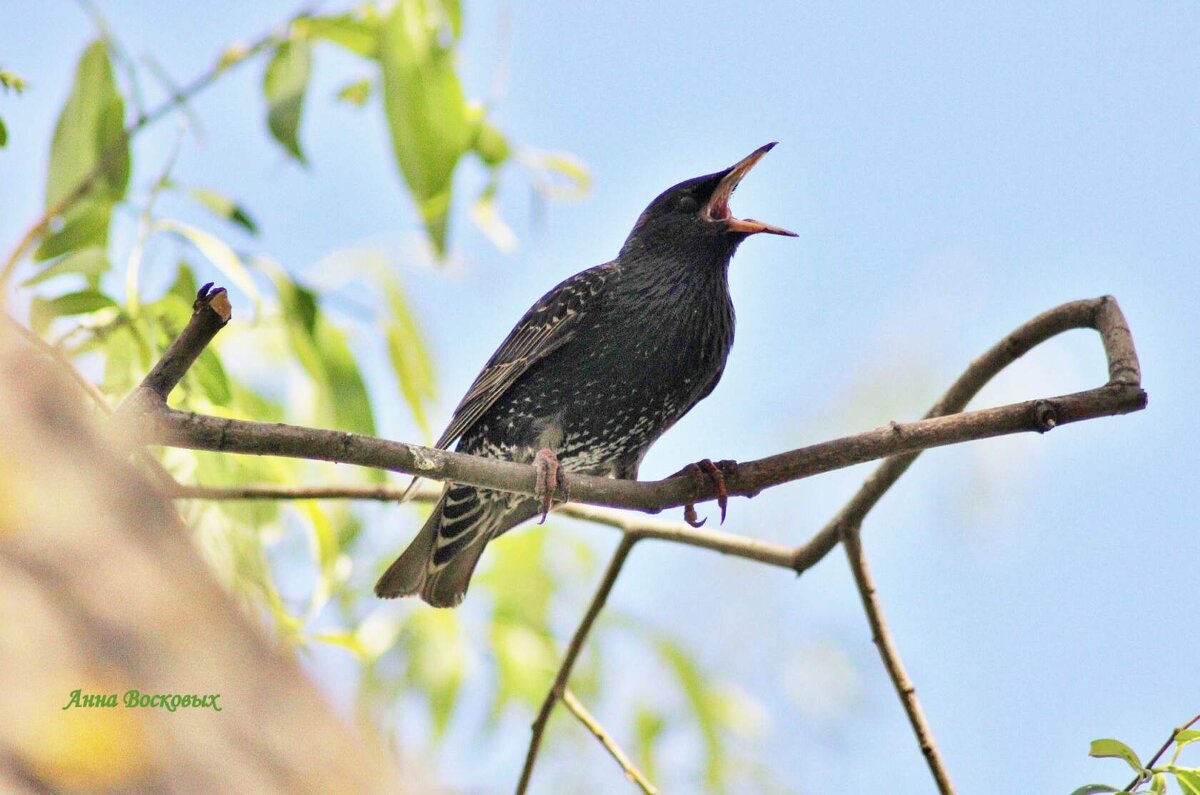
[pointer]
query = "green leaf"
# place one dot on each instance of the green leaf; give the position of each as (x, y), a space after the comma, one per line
(1116, 749)
(325, 551)
(217, 252)
(1187, 736)
(558, 175)
(358, 33)
(491, 145)
(90, 262)
(11, 81)
(1158, 784)
(436, 650)
(525, 663)
(323, 352)
(426, 111)
(43, 310)
(1188, 780)
(706, 708)
(90, 133)
(83, 226)
(3, 134)
(284, 84)
(409, 356)
(453, 11)
(356, 93)
(225, 207)
(210, 375)
(648, 727)
(1094, 789)
(520, 580)
(487, 219)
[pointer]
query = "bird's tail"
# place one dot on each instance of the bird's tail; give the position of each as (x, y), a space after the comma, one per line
(439, 562)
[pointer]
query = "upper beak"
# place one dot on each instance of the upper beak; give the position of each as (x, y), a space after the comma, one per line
(717, 208)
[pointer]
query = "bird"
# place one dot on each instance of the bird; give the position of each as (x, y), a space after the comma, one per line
(593, 374)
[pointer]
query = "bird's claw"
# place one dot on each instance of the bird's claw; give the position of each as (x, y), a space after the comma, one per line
(705, 468)
(550, 476)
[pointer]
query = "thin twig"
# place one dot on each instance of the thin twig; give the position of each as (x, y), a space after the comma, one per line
(675, 532)
(568, 663)
(882, 637)
(614, 750)
(1154, 760)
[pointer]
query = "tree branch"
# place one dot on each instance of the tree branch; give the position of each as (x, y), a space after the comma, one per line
(1119, 396)
(901, 442)
(1138, 779)
(614, 750)
(882, 637)
(568, 663)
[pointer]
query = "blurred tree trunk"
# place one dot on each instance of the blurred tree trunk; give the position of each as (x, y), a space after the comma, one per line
(102, 592)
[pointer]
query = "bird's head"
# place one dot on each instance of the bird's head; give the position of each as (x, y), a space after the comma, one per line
(693, 217)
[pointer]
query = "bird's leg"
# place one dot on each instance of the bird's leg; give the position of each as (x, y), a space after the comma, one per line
(705, 468)
(550, 476)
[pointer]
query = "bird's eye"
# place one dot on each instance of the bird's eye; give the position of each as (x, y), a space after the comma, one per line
(687, 204)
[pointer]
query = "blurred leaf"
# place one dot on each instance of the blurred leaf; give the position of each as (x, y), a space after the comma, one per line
(347, 392)
(211, 377)
(122, 368)
(325, 355)
(453, 11)
(356, 93)
(284, 84)
(357, 33)
(84, 225)
(3, 134)
(325, 550)
(426, 110)
(91, 125)
(217, 252)
(436, 650)
(225, 207)
(705, 704)
(1158, 784)
(520, 580)
(347, 640)
(90, 262)
(525, 662)
(558, 175)
(1187, 736)
(491, 145)
(11, 81)
(1093, 789)
(648, 726)
(43, 310)
(409, 356)
(487, 219)
(1188, 781)
(1115, 748)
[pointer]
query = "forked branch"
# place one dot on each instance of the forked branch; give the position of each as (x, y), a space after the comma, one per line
(900, 443)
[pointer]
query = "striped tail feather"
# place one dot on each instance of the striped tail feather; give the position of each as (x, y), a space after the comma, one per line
(439, 562)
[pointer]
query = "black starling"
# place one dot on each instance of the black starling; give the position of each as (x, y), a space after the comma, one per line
(594, 373)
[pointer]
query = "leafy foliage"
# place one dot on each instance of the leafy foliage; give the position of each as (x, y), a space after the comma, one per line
(305, 567)
(1150, 777)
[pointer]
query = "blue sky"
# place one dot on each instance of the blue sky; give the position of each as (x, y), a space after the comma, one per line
(952, 170)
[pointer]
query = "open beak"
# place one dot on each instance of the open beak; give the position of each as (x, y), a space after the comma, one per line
(717, 208)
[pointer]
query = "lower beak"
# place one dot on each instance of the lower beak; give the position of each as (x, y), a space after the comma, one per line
(717, 208)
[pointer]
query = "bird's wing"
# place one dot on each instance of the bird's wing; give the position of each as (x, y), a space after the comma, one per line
(549, 324)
